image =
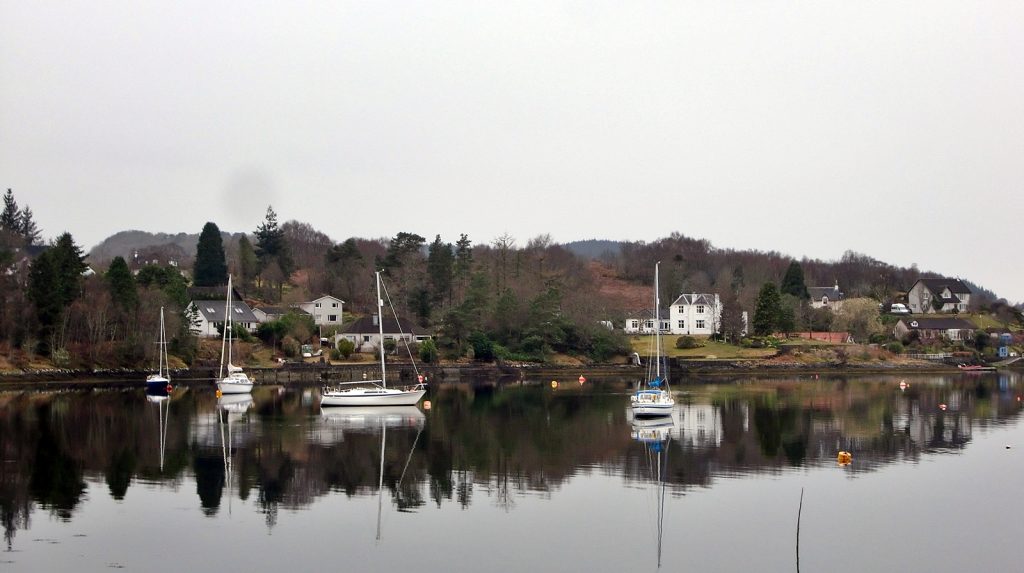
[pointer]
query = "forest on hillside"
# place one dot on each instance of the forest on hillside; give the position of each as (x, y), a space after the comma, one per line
(504, 298)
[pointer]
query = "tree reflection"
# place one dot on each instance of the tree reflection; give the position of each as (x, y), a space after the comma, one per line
(494, 441)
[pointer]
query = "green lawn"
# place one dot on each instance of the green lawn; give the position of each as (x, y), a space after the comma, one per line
(643, 345)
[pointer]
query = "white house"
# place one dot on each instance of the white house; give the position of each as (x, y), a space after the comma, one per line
(643, 322)
(326, 310)
(210, 313)
(826, 297)
(699, 314)
(365, 332)
(929, 296)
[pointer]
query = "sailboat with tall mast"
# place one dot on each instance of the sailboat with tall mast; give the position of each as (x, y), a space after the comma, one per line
(375, 392)
(160, 383)
(236, 381)
(654, 398)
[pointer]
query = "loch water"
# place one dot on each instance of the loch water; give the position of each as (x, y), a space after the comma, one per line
(521, 477)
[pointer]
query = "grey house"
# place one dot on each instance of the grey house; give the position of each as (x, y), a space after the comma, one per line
(929, 296)
(211, 314)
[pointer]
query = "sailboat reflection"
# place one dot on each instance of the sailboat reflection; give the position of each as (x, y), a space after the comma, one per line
(163, 404)
(230, 407)
(371, 419)
(656, 435)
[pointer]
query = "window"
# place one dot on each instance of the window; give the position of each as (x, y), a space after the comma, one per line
(366, 338)
(682, 324)
(700, 309)
(634, 323)
(210, 309)
(649, 324)
(238, 311)
(334, 305)
(332, 318)
(700, 324)
(316, 305)
(682, 308)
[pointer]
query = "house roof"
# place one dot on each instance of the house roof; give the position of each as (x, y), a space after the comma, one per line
(955, 286)
(213, 311)
(368, 325)
(212, 293)
(647, 314)
(937, 324)
(832, 292)
(280, 310)
(326, 296)
(696, 298)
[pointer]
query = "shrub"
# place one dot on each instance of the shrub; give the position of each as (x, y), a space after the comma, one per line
(483, 347)
(688, 342)
(290, 347)
(345, 348)
(895, 347)
(428, 351)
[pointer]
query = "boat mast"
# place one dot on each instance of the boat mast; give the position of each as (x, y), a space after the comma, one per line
(380, 325)
(380, 483)
(657, 325)
(163, 347)
(227, 328)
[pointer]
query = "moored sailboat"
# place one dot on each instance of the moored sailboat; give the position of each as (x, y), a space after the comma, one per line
(160, 383)
(375, 392)
(654, 398)
(236, 381)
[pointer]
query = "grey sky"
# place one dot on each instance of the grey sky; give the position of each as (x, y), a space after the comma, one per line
(891, 128)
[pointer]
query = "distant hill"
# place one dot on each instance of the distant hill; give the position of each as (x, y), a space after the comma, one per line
(594, 248)
(180, 246)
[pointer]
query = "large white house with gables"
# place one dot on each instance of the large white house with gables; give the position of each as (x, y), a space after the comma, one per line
(695, 314)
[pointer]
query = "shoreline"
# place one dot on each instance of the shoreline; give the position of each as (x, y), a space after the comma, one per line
(316, 374)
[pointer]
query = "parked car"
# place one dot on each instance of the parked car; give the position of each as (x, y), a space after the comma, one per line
(898, 308)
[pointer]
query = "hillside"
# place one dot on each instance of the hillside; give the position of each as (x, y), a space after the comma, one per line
(180, 247)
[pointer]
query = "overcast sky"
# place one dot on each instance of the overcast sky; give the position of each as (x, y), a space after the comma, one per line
(894, 129)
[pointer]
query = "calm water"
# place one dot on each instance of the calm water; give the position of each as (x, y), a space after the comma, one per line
(521, 477)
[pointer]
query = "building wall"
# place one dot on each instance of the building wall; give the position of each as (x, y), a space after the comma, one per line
(327, 314)
(695, 319)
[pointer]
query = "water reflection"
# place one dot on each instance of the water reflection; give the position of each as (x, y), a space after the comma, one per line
(492, 444)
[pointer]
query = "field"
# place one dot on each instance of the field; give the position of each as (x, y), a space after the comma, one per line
(642, 345)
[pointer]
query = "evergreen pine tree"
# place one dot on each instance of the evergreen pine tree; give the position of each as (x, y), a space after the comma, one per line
(271, 245)
(28, 227)
(793, 282)
(768, 311)
(10, 218)
(69, 264)
(122, 284)
(248, 266)
(439, 269)
(210, 268)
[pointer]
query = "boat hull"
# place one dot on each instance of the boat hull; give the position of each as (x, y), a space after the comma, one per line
(374, 397)
(156, 384)
(652, 410)
(232, 387)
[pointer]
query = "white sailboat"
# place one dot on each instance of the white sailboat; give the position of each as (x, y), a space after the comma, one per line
(236, 381)
(374, 392)
(160, 383)
(654, 398)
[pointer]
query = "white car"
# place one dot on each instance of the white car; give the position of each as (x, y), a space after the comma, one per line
(898, 308)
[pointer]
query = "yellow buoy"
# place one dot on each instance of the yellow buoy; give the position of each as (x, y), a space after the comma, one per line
(218, 393)
(844, 458)
(554, 384)
(426, 404)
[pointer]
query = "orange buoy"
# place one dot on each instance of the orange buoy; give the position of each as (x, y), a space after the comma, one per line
(420, 379)
(942, 407)
(218, 392)
(582, 379)
(554, 384)
(844, 458)
(169, 388)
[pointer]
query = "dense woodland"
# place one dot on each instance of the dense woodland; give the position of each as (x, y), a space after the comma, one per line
(501, 299)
